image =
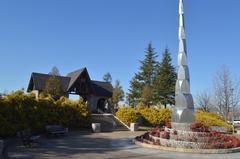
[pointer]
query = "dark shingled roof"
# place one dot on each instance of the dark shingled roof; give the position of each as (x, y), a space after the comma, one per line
(74, 76)
(102, 88)
(38, 80)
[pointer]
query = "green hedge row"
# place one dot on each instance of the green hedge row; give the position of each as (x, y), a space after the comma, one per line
(19, 111)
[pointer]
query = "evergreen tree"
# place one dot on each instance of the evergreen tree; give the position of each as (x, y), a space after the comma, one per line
(107, 77)
(118, 94)
(147, 95)
(54, 71)
(164, 83)
(134, 95)
(148, 65)
(53, 87)
(143, 78)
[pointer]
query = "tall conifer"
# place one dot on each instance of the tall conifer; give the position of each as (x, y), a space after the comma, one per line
(164, 83)
(143, 78)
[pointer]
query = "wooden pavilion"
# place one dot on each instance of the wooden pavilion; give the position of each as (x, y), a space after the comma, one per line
(95, 93)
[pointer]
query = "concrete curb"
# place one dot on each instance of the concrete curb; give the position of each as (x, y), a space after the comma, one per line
(196, 151)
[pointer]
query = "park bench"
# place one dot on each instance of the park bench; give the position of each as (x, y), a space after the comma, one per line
(27, 137)
(56, 130)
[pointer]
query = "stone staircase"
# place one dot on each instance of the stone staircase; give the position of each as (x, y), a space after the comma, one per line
(109, 122)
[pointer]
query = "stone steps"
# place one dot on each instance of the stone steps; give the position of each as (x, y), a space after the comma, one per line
(108, 122)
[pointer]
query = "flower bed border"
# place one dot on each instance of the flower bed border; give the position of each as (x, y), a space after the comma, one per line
(185, 150)
(176, 144)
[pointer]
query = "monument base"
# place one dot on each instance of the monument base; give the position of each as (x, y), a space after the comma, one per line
(183, 115)
(181, 126)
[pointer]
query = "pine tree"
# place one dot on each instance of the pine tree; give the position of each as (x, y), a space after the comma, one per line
(54, 71)
(147, 95)
(164, 83)
(107, 77)
(118, 94)
(135, 92)
(143, 78)
(53, 87)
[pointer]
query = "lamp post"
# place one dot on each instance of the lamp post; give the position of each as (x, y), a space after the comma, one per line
(232, 110)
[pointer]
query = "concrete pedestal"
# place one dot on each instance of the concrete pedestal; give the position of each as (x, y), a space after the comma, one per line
(96, 127)
(133, 126)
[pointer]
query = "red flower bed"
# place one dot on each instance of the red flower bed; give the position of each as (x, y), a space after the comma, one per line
(165, 135)
(218, 140)
(156, 131)
(168, 125)
(213, 140)
(198, 127)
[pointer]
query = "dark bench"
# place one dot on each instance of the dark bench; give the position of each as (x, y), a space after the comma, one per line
(27, 137)
(56, 130)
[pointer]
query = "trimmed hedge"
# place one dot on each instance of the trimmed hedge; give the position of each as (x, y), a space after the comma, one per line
(20, 111)
(158, 117)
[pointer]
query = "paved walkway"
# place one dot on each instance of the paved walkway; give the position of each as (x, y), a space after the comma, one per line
(85, 145)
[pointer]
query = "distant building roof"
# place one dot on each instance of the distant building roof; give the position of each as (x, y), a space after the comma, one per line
(100, 88)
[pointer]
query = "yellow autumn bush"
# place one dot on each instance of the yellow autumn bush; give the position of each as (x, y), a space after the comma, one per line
(127, 115)
(157, 117)
(211, 119)
(20, 111)
(150, 116)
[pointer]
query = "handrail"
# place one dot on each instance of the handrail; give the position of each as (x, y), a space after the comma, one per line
(109, 114)
(121, 122)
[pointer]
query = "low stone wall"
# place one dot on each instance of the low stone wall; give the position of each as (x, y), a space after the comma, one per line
(188, 135)
(190, 138)
(181, 126)
(185, 150)
(179, 144)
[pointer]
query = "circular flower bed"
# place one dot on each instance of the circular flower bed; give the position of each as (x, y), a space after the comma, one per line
(199, 137)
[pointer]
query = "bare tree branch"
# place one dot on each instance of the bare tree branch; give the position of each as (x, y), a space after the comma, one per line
(226, 92)
(204, 101)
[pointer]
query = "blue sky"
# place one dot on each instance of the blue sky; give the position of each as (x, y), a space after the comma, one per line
(111, 36)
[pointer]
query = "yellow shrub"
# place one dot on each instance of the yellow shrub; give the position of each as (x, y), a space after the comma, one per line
(20, 111)
(127, 115)
(150, 116)
(165, 115)
(155, 117)
(211, 119)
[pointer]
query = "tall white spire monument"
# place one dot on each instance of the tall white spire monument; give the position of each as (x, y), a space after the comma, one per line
(184, 107)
